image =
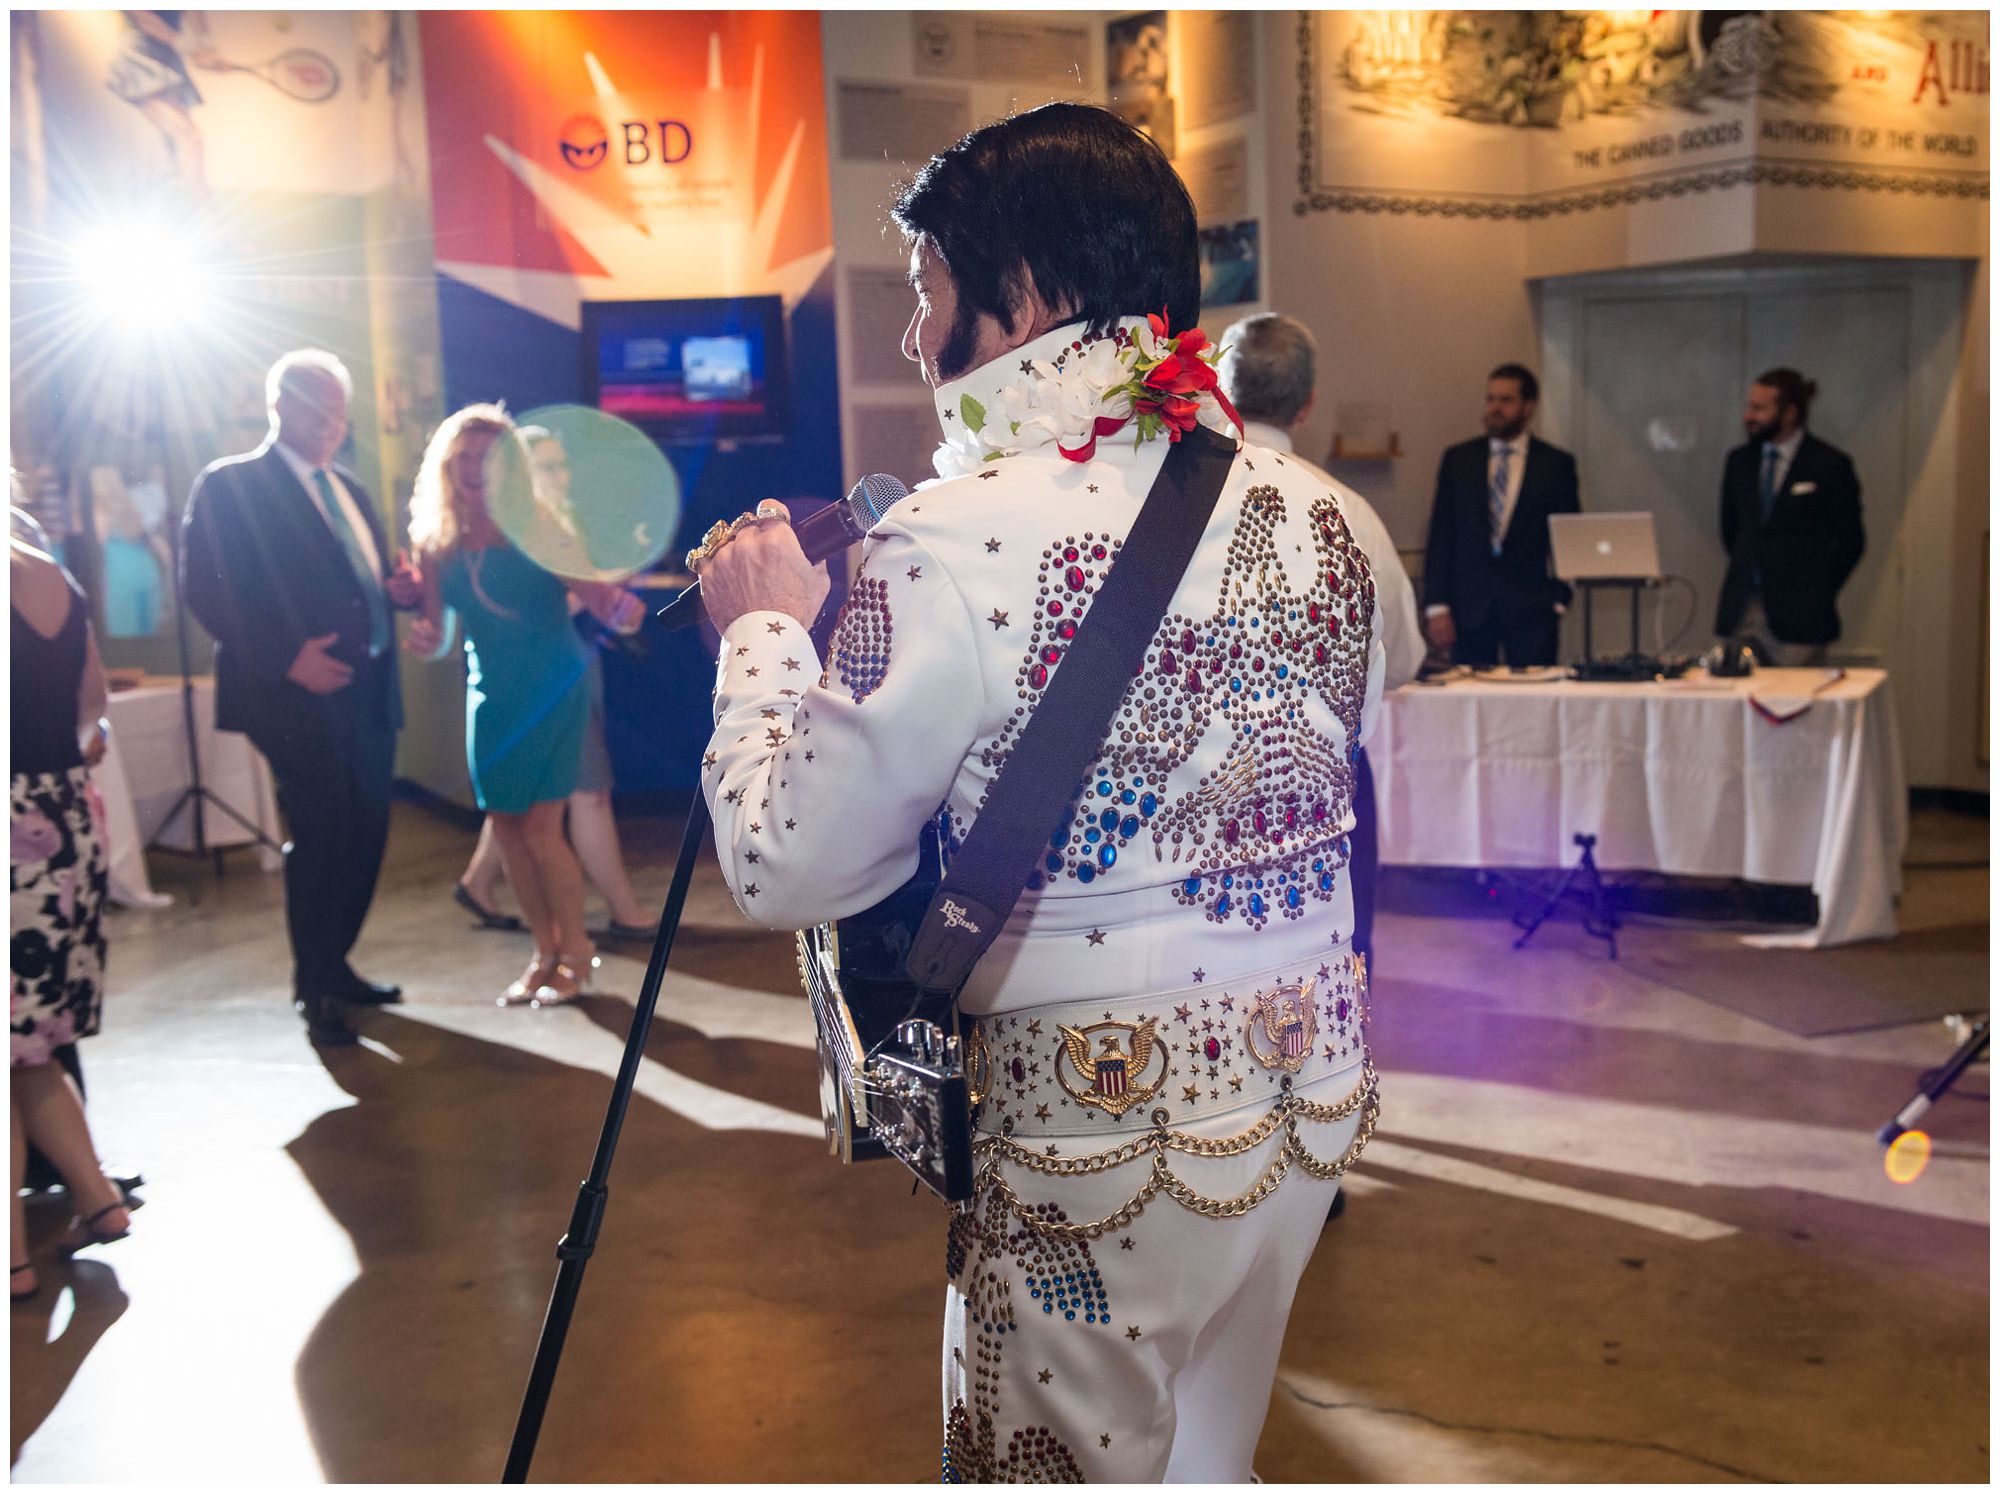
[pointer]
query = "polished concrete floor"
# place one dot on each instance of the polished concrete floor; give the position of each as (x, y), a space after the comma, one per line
(1607, 1231)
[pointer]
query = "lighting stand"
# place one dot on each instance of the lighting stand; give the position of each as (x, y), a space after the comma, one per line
(197, 794)
(1600, 921)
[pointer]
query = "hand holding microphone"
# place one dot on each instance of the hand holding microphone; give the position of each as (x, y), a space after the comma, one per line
(758, 565)
(761, 563)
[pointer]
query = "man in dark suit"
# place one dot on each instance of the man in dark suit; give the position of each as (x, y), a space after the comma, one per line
(284, 562)
(1791, 522)
(1488, 593)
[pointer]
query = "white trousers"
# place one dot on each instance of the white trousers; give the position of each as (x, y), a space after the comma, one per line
(1145, 1351)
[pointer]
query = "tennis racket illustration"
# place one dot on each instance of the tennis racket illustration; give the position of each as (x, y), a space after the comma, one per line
(298, 72)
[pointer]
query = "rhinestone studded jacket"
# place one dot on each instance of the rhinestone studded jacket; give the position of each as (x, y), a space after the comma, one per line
(1209, 837)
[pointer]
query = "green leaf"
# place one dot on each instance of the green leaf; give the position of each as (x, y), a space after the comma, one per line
(972, 412)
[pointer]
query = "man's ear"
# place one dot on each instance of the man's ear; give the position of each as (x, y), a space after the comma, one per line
(1305, 411)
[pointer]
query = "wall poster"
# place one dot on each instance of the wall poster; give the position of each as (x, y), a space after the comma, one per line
(1524, 114)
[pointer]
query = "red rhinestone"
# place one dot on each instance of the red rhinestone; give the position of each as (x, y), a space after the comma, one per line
(1169, 664)
(1213, 1048)
(1038, 677)
(1055, 609)
(1019, 1070)
(1050, 654)
(1230, 831)
(1069, 552)
(1187, 640)
(1097, 552)
(1257, 666)
(1194, 681)
(1073, 578)
(1066, 629)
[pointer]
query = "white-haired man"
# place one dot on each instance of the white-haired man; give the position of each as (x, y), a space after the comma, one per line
(285, 564)
(1269, 370)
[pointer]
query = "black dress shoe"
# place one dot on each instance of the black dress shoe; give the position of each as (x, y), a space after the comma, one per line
(326, 1025)
(359, 992)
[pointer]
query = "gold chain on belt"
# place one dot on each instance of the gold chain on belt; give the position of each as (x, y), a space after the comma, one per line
(1290, 1109)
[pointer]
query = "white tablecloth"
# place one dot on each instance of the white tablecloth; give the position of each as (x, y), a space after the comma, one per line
(1686, 777)
(146, 771)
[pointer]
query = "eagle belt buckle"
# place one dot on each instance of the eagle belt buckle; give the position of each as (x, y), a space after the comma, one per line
(1284, 1020)
(1116, 1072)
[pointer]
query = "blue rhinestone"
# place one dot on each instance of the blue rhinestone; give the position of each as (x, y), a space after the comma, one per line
(1090, 1317)
(1191, 887)
(1222, 905)
(1283, 670)
(1071, 1316)
(1053, 862)
(1048, 1307)
(1107, 856)
(1236, 684)
(1326, 882)
(1291, 897)
(1109, 819)
(1256, 905)
(1060, 837)
(1104, 788)
(1085, 872)
(1147, 805)
(1129, 826)
(1127, 797)
(1093, 835)
(1228, 879)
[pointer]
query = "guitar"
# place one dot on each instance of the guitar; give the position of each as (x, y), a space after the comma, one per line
(894, 1080)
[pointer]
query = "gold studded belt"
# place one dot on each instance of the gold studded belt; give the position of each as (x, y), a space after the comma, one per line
(1111, 1068)
(1159, 1143)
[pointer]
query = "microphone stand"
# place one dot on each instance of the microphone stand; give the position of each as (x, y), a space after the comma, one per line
(578, 1243)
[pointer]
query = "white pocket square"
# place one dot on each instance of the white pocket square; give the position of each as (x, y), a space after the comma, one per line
(1805, 487)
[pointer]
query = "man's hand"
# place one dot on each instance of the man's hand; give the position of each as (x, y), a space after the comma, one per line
(759, 567)
(424, 637)
(1438, 628)
(317, 670)
(405, 584)
(96, 742)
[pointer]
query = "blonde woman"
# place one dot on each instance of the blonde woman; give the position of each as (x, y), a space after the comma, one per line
(528, 684)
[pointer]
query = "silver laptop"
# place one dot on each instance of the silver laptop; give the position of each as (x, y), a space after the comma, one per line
(1604, 547)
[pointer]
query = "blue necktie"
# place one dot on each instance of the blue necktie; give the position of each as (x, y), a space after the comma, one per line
(1768, 490)
(371, 584)
(1496, 499)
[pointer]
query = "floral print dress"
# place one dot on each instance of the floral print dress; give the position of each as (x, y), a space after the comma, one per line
(57, 858)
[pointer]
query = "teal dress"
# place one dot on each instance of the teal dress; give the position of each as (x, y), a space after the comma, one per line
(527, 696)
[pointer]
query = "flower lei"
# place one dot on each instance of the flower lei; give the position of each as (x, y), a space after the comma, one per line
(1149, 378)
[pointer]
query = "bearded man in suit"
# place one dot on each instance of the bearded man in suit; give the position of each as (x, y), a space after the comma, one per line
(1791, 524)
(1488, 594)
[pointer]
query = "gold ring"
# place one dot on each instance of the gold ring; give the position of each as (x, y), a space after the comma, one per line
(742, 521)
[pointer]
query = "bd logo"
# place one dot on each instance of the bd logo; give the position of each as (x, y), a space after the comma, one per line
(583, 142)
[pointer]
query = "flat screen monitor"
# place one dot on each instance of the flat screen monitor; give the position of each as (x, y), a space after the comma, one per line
(690, 372)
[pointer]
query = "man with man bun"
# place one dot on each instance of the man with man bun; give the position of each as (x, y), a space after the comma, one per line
(1791, 524)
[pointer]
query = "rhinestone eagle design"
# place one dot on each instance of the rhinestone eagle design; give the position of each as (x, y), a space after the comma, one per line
(1272, 665)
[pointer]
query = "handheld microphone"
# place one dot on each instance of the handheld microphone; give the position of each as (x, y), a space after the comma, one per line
(827, 532)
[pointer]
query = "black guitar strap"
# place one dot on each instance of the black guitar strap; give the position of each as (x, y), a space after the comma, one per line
(987, 875)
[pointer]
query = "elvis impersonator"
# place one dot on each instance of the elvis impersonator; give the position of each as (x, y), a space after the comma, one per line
(1173, 1016)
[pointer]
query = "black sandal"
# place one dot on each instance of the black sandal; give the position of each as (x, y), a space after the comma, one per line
(20, 1296)
(68, 1247)
(504, 923)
